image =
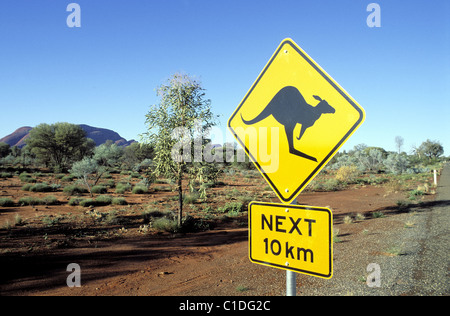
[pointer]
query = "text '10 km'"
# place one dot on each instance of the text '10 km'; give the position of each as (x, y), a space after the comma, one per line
(281, 224)
(292, 237)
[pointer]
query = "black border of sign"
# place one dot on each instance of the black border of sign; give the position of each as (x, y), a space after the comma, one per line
(332, 152)
(302, 207)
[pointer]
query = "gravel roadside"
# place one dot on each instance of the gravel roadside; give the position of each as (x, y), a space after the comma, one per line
(409, 249)
(431, 275)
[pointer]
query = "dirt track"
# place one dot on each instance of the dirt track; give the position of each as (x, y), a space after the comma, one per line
(216, 262)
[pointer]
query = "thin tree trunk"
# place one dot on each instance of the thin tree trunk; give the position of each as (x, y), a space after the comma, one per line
(88, 186)
(180, 195)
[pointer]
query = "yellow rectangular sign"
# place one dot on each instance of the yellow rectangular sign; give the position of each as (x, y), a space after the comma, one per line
(292, 237)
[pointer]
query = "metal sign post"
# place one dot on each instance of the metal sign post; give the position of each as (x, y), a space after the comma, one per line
(291, 286)
(291, 277)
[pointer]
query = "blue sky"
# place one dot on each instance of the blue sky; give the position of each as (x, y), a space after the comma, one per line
(105, 73)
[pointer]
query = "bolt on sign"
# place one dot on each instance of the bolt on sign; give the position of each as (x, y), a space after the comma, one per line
(292, 237)
(293, 120)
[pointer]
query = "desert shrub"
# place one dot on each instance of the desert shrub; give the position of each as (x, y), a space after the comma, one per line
(402, 204)
(6, 202)
(424, 188)
(27, 187)
(51, 220)
(370, 160)
(74, 190)
(325, 185)
(18, 220)
(394, 186)
(396, 164)
(50, 200)
(118, 201)
(151, 214)
(26, 177)
(162, 188)
(344, 160)
(146, 182)
(378, 214)
(121, 188)
(112, 218)
(41, 187)
(99, 189)
(23, 176)
(192, 224)
(28, 200)
(347, 174)
(87, 202)
(348, 219)
(190, 198)
(208, 209)
(232, 208)
(314, 185)
(75, 201)
(68, 178)
(108, 154)
(415, 193)
(336, 238)
(331, 185)
(55, 186)
(135, 175)
(246, 199)
(103, 200)
(88, 171)
(143, 165)
(200, 174)
(372, 180)
(110, 183)
(166, 224)
(416, 170)
(5, 175)
(138, 189)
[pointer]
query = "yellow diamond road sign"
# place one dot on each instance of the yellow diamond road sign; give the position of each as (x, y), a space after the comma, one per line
(292, 237)
(293, 120)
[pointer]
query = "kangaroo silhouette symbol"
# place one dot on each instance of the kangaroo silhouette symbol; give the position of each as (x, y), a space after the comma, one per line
(289, 108)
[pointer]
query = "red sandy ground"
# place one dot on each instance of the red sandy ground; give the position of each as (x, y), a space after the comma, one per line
(213, 262)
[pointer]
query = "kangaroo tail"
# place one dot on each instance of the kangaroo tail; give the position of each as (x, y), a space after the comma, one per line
(261, 116)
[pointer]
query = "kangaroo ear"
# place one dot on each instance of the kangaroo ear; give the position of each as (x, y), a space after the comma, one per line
(317, 97)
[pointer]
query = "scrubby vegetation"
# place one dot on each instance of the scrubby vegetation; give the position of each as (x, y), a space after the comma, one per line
(124, 198)
(146, 185)
(112, 176)
(6, 202)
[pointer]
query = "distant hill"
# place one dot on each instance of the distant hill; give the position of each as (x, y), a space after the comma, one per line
(99, 135)
(18, 137)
